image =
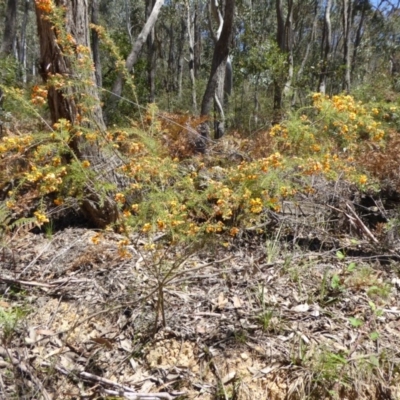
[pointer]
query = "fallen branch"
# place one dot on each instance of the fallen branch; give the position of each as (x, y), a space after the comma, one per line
(143, 396)
(357, 221)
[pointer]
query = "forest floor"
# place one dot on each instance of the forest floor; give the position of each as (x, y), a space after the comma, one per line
(305, 313)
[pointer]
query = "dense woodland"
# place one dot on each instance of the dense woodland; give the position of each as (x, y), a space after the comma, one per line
(186, 183)
(278, 52)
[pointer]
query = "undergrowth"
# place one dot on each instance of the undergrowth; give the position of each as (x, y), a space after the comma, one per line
(173, 190)
(165, 185)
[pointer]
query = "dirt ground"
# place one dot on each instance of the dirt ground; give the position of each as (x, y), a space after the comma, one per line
(255, 317)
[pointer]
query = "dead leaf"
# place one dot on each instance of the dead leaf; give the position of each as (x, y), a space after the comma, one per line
(228, 378)
(222, 301)
(45, 332)
(301, 308)
(103, 341)
(237, 303)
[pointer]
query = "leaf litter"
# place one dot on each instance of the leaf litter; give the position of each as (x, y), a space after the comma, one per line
(239, 323)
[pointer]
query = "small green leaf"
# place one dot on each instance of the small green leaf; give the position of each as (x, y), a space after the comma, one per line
(355, 322)
(340, 255)
(379, 313)
(374, 336)
(351, 267)
(372, 305)
(335, 281)
(374, 361)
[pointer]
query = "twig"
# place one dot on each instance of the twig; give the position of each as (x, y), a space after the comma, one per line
(125, 391)
(215, 370)
(142, 396)
(28, 283)
(25, 370)
(361, 224)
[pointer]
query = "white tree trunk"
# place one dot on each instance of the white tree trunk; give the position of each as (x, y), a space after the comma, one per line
(134, 54)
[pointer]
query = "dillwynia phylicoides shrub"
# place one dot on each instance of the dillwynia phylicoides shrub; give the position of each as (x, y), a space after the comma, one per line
(186, 200)
(163, 195)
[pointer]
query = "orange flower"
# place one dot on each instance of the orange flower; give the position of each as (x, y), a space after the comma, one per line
(44, 5)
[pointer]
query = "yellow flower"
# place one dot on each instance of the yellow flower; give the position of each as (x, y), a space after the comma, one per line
(96, 238)
(135, 207)
(161, 224)
(256, 205)
(120, 198)
(85, 164)
(363, 179)
(234, 231)
(123, 242)
(40, 218)
(146, 227)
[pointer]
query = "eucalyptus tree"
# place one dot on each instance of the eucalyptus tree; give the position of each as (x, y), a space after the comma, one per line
(215, 88)
(134, 53)
(10, 27)
(326, 47)
(61, 59)
(219, 81)
(95, 41)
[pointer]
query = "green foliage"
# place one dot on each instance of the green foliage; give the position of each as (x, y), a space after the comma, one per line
(9, 320)
(8, 71)
(327, 367)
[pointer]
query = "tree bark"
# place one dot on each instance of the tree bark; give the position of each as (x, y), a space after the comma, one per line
(95, 43)
(218, 68)
(284, 40)
(66, 102)
(10, 27)
(151, 55)
(220, 56)
(197, 41)
(22, 43)
(308, 48)
(359, 33)
(326, 48)
(133, 55)
(192, 72)
(347, 12)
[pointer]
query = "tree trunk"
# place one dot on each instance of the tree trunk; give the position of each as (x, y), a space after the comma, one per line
(151, 55)
(22, 44)
(197, 41)
(359, 34)
(215, 86)
(347, 12)
(289, 49)
(326, 47)
(181, 56)
(133, 56)
(95, 42)
(308, 48)
(66, 103)
(10, 27)
(284, 40)
(192, 71)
